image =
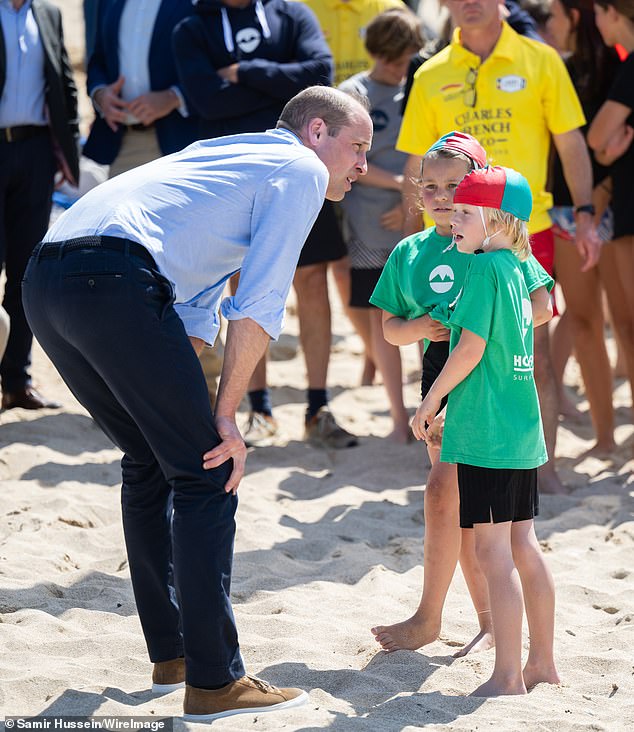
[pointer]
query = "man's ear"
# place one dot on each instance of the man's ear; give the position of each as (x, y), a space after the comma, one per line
(316, 131)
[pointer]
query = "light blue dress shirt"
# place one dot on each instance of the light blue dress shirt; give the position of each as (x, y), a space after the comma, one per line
(240, 203)
(22, 101)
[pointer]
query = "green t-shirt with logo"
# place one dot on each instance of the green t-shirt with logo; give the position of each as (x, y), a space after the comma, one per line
(426, 269)
(493, 418)
(423, 270)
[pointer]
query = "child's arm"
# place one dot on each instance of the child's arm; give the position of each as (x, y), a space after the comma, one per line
(401, 332)
(541, 305)
(609, 134)
(461, 362)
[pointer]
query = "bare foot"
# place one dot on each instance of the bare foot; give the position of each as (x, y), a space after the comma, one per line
(495, 687)
(534, 675)
(482, 642)
(568, 409)
(602, 450)
(406, 636)
(549, 482)
(401, 434)
(368, 373)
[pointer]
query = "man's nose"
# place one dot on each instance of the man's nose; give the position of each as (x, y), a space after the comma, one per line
(362, 164)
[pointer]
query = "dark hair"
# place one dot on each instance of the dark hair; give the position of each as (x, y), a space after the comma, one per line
(393, 33)
(336, 108)
(624, 7)
(592, 64)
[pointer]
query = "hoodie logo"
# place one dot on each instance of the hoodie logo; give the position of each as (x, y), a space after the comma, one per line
(248, 39)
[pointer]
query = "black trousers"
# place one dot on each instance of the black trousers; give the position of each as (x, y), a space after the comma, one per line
(106, 320)
(27, 171)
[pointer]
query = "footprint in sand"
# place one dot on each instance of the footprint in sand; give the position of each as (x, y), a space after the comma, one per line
(620, 574)
(608, 609)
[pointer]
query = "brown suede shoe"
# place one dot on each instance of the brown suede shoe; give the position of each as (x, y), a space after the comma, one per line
(248, 695)
(168, 676)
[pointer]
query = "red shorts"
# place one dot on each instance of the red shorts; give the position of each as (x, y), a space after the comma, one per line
(543, 246)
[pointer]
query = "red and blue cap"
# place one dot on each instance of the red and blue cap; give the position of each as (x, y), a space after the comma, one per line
(463, 143)
(496, 187)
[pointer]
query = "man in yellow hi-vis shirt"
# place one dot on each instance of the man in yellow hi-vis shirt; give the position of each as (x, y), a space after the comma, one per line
(514, 95)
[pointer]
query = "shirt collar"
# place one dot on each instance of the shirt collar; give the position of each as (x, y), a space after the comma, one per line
(9, 5)
(504, 48)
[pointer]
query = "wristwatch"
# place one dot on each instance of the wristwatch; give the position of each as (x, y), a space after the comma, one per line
(586, 208)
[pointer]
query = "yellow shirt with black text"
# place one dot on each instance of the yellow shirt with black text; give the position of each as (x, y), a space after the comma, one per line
(523, 94)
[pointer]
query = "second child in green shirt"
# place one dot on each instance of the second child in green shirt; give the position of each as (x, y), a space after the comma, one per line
(425, 273)
(493, 426)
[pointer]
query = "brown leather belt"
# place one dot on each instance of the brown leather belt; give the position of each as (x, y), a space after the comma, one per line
(22, 132)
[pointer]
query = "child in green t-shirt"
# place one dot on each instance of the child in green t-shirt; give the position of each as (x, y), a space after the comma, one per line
(493, 427)
(424, 271)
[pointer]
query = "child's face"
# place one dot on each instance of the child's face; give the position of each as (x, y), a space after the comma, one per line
(392, 72)
(466, 227)
(441, 177)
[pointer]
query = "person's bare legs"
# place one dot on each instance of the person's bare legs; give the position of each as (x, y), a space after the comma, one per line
(618, 265)
(360, 319)
(561, 345)
(341, 273)
(582, 291)
(388, 360)
(539, 599)
(493, 550)
(479, 591)
(441, 549)
(549, 406)
(313, 310)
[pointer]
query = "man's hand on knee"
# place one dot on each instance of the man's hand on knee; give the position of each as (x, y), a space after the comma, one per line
(231, 447)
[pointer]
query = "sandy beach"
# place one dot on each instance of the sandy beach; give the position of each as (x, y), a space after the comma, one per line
(328, 545)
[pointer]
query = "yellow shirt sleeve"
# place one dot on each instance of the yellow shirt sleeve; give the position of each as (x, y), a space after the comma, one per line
(562, 108)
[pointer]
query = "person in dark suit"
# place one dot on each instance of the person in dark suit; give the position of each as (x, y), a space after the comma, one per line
(132, 80)
(39, 131)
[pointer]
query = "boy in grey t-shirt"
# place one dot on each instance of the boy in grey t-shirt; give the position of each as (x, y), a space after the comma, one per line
(372, 212)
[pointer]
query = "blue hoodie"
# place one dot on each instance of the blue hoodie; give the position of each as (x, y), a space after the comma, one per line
(280, 50)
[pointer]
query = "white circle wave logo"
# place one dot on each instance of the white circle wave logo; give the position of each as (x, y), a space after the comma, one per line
(441, 278)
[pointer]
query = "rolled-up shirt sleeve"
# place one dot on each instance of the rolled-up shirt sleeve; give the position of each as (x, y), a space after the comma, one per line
(284, 210)
(199, 318)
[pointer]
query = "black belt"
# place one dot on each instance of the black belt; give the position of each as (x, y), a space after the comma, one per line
(22, 132)
(140, 127)
(113, 243)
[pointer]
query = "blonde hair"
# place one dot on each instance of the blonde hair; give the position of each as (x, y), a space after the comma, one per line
(514, 228)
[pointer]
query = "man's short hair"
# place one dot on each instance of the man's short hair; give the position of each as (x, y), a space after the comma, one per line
(336, 108)
(394, 33)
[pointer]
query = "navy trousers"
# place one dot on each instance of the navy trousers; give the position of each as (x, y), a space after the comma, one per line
(27, 171)
(106, 320)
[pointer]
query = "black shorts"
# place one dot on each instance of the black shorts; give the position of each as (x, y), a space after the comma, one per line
(325, 242)
(434, 359)
(362, 284)
(495, 495)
